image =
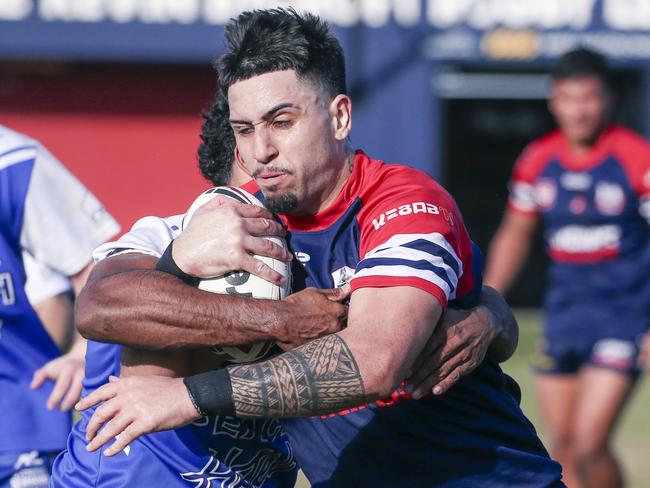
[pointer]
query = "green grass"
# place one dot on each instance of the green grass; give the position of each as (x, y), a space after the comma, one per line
(632, 440)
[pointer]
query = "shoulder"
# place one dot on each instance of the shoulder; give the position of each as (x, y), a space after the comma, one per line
(629, 146)
(400, 200)
(15, 147)
(633, 152)
(149, 235)
(387, 184)
(10, 139)
(536, 155)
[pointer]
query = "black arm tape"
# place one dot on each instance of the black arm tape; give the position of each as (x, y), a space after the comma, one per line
(167, 264)
(211, 392)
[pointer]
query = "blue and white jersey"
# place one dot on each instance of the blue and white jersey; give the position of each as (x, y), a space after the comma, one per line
(42, 281)
(47, 212)
(212, 452)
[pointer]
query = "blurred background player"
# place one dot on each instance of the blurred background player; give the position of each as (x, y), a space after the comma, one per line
(50, 295)
(46, 212)
(589, 185)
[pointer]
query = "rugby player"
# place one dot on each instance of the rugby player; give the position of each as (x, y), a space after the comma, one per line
(216, 451)
(589, 184)
(50, 295)
(48, 213)
(461, 341)
(402, 237)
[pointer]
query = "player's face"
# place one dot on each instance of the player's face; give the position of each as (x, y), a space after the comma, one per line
(579, 106)
(288, 141)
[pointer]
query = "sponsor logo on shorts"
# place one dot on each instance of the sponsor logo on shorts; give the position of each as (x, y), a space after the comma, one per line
(31, 471)
(614, 353)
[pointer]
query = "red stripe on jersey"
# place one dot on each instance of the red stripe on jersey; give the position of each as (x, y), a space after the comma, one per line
(388, 281)
(582, 257)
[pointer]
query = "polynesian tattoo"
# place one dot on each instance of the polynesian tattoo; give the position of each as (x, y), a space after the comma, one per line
(319, 377)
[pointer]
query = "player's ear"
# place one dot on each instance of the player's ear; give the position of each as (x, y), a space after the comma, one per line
(341, 114)
(240, 162)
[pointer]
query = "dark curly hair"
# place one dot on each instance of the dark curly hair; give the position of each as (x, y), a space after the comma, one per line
(216, 152)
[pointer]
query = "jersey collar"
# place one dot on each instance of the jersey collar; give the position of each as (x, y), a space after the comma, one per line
(337, 208)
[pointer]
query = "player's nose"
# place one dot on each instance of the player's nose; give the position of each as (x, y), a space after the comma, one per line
(264, 148)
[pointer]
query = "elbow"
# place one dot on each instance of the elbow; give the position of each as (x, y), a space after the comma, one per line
(90, 312)
(381, 382)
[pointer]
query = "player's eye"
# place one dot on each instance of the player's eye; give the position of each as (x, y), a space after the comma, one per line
(282, 123)
(243, 130)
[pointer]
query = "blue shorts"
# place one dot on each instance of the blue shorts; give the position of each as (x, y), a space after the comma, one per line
(31, 468)
(590, 334)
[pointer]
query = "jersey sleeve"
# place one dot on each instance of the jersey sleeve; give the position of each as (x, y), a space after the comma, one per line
(412, 234)
(637, 162)
(644, 197)
(149, 235)
(521, 188)
(634, 153)
(63, 222)
(42, 281)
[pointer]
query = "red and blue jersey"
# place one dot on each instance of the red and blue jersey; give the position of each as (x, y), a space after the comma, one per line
(595, 207)
(595, 210)
(394, 226)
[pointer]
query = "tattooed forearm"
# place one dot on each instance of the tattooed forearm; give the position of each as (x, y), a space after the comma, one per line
(317, 378)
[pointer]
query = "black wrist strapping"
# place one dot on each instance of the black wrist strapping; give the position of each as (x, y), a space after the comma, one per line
(167, 264)
(211, 392)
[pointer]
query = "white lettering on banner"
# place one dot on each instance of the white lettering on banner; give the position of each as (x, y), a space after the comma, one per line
(627, 14)
(15, 9)
(516, 14)
(575, 238)
(343, 13)
(120, 11)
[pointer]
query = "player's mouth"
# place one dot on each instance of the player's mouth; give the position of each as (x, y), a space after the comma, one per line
(271, 178)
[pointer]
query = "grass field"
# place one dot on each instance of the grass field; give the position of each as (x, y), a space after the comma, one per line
(633, 436)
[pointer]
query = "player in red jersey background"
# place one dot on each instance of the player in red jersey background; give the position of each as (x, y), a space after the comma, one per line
(588, 184)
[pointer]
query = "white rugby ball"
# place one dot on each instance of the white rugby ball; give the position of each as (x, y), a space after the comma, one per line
(242, 283)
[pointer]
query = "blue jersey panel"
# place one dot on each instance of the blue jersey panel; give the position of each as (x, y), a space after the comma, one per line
(474, 435)
(25, 422)
(216, 452)
(213, 452)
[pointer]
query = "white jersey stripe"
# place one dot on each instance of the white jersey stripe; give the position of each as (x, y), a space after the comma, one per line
(19, 156)
(404, 239)
(522, 196)
(410, 254)
(406, 271)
